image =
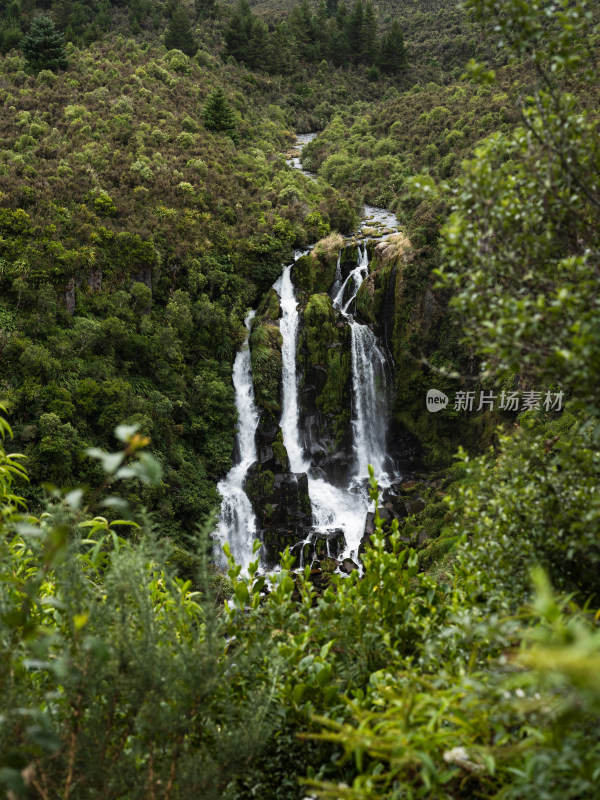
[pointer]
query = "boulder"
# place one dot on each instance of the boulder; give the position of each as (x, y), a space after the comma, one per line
(414, 505)
(348, 566)
(422, 537)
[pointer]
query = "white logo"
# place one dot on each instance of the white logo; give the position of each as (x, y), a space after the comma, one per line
(436, 400)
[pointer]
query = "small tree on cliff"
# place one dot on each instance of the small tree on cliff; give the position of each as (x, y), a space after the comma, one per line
(44, 46)
(218, 115)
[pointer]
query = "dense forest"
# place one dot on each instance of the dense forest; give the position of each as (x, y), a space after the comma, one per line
(148, 203)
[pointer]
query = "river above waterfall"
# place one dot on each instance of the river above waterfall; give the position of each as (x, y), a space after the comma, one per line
(375, 223)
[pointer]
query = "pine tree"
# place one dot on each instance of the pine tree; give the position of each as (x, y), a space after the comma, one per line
(44, 46)
(301, 24)
(218, 115)
(205, 8)
(392, 56)
(238, 32)
(332, 6)
(340, 47)
(281, 56)
(356, 31)
(178, 35)
(369, 45)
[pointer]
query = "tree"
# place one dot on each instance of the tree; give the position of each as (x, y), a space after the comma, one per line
(301, 24)
(356, 31)
(523, 243)
(392, 56)
(238, 32)
(218, 115)
(178, 35)
(44, 46)
(369, 44)
(205, 8)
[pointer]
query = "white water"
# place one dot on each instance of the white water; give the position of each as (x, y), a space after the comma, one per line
(237, 522)
(332, 506)
(354, 279)
(289, 332)
(368, 387)
(368, 379)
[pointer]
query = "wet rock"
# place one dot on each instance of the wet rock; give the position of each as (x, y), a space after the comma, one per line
(325, 389)
(348, 566)
(422, 536)
(319, 545)
(282, 506)
(414, 506)
(328, 544)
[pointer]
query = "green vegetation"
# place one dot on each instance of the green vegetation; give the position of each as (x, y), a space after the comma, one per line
(44, 46)
(340, 37)
(145, 205)
(217, 114)
(179, 35)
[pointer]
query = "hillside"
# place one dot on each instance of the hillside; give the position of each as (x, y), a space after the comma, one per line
(298, 496)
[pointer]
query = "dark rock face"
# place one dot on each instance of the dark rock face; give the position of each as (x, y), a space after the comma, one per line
(325, 389)
(68, 297)
(319, 546)
(282, 506)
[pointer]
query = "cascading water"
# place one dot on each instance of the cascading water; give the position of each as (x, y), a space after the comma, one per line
(368, 389)
(333, 507)
(289, 332)
(337, 281)
(237, 522)
(349, 288)
(368, 377)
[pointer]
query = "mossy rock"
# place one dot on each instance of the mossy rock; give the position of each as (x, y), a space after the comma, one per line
(324, 363)
(266, 360)
(315, 272)
(269, 308)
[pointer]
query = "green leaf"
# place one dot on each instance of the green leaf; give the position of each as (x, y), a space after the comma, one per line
(125, 432)
(110, 461)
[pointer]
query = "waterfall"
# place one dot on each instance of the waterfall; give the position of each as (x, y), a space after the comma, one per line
(237, 522)
(332, 506)
(289, 331)
(368, 378)
(368, 389)
(354, 280)
(337, 281)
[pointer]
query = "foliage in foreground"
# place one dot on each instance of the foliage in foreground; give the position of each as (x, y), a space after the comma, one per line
(122, 679)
